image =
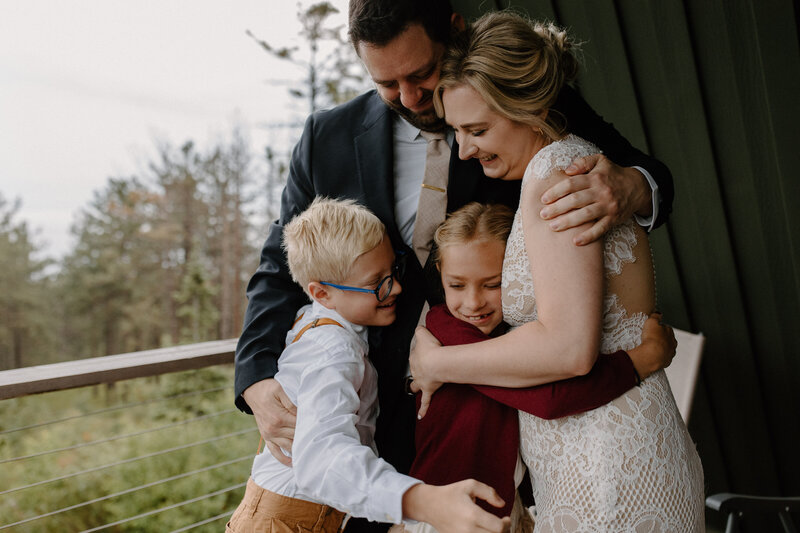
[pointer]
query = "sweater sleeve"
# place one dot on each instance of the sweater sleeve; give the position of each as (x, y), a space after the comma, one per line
(611, 376)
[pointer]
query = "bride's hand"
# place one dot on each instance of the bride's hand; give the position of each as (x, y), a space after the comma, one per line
(423, 350)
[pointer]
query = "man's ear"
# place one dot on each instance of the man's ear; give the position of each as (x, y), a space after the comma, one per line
(457, 22)
(322, 294)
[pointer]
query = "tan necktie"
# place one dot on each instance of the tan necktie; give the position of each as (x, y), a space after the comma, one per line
(432, 205)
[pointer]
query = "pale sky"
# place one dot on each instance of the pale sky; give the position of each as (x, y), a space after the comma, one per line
(86, 85)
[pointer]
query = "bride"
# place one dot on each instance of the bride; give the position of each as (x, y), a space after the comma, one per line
(629, 465)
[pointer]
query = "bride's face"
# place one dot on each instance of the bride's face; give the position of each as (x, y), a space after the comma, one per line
(503, 147)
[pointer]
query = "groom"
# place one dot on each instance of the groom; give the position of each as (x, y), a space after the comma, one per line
(371, 149)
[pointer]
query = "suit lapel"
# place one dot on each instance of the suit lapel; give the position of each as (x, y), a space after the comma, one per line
(465, 176)
(375, 162)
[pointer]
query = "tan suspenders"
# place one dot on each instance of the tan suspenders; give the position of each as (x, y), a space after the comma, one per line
(316, 322)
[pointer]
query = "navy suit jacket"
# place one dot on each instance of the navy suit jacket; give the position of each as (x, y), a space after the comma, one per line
(347, 152)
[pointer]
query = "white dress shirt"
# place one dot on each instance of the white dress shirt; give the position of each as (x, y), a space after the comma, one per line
(410, 150)
(655, 197)
(327, 375)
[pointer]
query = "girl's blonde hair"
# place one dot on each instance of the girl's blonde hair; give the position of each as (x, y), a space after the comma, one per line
(473, 222)
(516, 65)
(322, 242)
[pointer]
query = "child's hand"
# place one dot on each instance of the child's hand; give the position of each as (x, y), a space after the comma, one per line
(423, 351)
(657, 348)
(452, 508)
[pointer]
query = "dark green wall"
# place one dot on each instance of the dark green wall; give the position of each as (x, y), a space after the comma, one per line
(711, 88)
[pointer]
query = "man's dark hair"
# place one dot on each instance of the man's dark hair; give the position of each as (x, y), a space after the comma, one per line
(377, 22)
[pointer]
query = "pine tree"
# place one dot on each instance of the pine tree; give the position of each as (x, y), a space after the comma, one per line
(25, 334)
(333, 71)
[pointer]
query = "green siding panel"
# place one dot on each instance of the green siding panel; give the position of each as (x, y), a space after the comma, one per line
(672, 103)
(712, 88)
(752, 148)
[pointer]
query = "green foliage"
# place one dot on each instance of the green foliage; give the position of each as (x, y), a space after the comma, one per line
(163, 257)
(24, 291)
(111, 267)
(152, 426)
(196, 304)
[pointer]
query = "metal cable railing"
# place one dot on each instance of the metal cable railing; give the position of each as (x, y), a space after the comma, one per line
(112, 409)
(167, 474)
(130, 460)
(167, 508)
(128, 491)
(117, 437)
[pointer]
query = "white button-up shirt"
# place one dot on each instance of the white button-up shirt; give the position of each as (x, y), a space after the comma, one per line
(327, 375)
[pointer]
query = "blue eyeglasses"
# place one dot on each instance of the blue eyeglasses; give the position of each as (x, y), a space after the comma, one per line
(381, 292)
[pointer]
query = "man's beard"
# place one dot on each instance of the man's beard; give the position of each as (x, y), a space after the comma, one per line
(426, 122)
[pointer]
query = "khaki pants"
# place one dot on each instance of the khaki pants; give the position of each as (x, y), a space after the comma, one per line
(262, 511)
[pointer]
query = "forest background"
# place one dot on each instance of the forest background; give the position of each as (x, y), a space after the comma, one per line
(161, 256)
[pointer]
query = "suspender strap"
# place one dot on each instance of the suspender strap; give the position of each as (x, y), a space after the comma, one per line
(315, 323)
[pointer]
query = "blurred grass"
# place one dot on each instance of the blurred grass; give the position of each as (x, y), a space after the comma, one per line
(26, 503)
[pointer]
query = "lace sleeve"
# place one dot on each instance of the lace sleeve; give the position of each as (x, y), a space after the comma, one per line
(557, 156)
(619, 243)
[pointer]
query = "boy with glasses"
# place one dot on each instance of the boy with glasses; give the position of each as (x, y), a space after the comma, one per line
(338, 251)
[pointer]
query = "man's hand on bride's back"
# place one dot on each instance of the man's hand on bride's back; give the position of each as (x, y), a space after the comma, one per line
(657, 348)
(276, 416)
(598, 191)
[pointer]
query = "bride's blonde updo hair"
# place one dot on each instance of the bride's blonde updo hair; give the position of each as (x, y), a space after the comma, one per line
(517, 66)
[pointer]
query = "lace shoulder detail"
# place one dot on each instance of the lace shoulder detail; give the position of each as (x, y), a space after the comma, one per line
(557, 156)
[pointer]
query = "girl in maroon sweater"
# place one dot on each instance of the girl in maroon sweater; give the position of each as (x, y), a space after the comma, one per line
(472, 431)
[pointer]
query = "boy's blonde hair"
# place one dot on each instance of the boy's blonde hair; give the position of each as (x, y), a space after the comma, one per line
(473, 222)
(322, 242)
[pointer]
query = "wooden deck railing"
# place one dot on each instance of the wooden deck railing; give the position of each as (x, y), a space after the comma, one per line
(112, 368)
(168, 454)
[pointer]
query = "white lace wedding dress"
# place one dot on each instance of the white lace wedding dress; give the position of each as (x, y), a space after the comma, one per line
(629, 465)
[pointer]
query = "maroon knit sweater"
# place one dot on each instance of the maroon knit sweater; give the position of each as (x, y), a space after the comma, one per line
(473, 431)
